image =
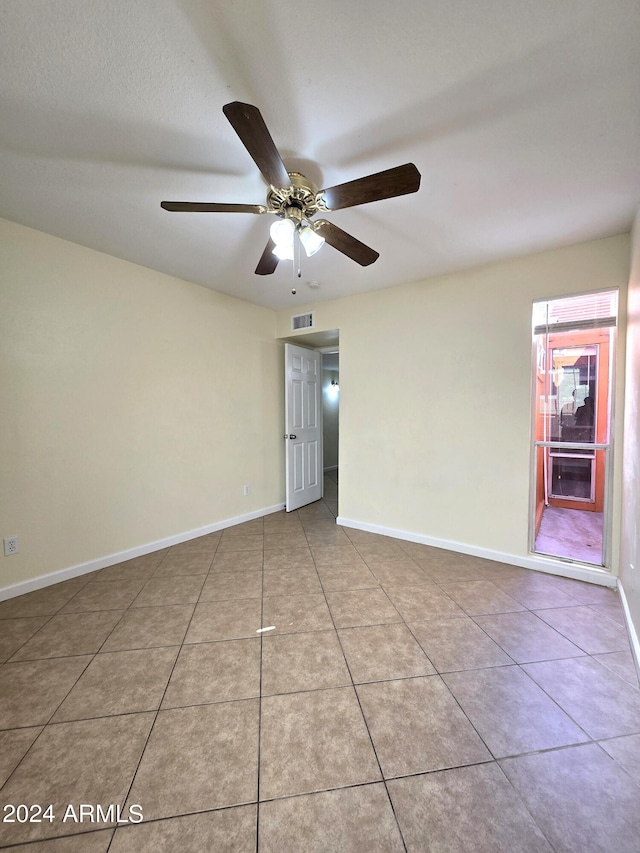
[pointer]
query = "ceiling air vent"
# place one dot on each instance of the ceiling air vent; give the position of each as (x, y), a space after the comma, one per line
(302, 321)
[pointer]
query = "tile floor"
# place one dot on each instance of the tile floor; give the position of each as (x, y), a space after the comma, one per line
(406, 699)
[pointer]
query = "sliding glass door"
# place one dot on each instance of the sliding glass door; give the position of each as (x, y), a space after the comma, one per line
(573, 350)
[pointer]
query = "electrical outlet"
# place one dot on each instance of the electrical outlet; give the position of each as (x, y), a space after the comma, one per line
(10, 545)
(247, 491)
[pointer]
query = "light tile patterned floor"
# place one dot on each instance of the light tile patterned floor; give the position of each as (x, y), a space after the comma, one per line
(406, 699)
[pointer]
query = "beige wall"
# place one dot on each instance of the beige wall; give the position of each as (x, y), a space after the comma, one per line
(630, 542)
(435, 394)
(135, 406)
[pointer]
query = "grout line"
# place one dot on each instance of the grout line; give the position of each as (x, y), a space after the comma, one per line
(521, 799)
(261, 637)
(353, 686)
(164, 693)
(48, 722)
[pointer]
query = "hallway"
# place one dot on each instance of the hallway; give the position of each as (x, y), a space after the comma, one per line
(330, 497)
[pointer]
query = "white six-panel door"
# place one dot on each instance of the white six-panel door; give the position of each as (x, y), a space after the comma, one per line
(303, 425)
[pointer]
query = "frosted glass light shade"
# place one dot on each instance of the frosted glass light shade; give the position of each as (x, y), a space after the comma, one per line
(282, 231)
(311, 241)
(283, 252)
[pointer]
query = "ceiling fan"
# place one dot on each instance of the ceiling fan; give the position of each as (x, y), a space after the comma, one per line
(295, 200)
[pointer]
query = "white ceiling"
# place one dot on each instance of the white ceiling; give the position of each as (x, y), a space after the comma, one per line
(522, 117)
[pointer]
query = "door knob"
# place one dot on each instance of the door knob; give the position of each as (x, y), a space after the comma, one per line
(293, 436)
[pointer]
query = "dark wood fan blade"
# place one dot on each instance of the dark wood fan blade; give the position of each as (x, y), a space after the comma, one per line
(268, 261)
(388, 184)
(250, 127)
(206, 207)
(345, 243)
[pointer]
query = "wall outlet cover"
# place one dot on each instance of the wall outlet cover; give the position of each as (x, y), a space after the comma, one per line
(10, 545)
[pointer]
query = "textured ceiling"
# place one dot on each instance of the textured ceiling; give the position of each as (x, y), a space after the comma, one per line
(523, 118)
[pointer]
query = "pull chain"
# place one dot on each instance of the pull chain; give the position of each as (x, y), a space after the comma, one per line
(293, 270)
(296, 266)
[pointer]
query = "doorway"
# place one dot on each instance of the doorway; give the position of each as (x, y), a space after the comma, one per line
(574, 347)
(331, 426)
(325, 346)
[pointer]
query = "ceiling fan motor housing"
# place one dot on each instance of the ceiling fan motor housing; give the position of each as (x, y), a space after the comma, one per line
(300, 200)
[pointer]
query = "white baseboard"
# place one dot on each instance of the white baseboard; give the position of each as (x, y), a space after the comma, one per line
(631, 628)
(539, 564)
(139, 551)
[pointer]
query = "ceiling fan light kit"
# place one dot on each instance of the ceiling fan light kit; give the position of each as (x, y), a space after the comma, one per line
(295, 200)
